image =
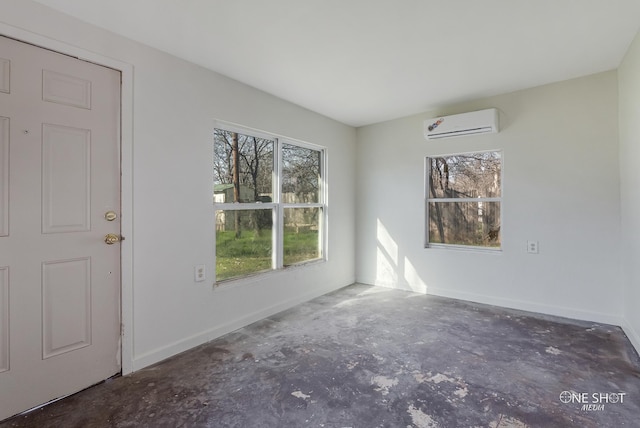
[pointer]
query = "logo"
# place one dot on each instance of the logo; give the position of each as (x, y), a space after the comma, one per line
(565, 397)
(592, 401)
(435, 124)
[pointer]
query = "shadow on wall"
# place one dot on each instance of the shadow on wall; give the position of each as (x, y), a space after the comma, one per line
(392, 268)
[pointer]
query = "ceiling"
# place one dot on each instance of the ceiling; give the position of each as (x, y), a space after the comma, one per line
(367, 61)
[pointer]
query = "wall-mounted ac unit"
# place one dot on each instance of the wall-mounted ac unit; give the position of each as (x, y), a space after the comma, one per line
(475, 122)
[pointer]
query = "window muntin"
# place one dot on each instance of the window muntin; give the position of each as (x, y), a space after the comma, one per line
(464, 194)
(274, 198)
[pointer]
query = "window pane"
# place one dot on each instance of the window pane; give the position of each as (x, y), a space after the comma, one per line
(300, 174)
(474, 175)
(254, 164)
(243, 242)
(301, 235)
(465, 223)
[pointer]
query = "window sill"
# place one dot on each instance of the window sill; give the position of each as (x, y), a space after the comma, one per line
(466, 248)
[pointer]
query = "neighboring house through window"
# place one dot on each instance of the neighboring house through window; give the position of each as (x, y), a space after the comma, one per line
(269, 200)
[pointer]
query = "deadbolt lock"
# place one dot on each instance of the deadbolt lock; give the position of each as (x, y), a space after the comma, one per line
(112, 238)
(110, 215)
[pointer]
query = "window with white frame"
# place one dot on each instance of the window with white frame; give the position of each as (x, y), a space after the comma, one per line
(269, 200)
(463, 198)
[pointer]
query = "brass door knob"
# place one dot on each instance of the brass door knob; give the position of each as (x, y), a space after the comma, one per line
(111, 238)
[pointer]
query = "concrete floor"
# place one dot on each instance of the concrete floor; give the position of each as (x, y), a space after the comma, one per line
(372, 357)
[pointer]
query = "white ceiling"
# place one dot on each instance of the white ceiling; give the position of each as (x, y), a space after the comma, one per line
(366, 61)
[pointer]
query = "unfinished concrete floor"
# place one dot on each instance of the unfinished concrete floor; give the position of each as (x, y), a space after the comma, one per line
(367, 357)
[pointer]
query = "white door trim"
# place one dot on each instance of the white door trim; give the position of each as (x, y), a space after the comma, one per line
(126, 154)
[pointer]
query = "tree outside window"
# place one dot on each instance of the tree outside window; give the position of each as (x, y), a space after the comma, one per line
(464, 194)
(269, 203)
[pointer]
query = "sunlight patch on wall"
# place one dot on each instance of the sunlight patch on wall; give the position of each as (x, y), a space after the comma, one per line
(386, 258)
(412, 277)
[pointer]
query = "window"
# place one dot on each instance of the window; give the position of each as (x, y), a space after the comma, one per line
(464, 193)
(269, 202)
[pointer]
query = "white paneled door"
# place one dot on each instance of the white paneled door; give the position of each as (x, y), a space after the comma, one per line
(59, 200)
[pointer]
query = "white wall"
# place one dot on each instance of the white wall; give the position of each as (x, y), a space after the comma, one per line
(174, 107)
(561, 188)
(629, 95)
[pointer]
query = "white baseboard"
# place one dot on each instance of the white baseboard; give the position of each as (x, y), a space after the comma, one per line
(159, 354)
(560, 311)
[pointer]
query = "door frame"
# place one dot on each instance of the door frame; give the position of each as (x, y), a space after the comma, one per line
(126, 171)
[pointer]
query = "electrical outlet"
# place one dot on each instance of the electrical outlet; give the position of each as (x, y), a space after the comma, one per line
(199, 273)
(532, 247)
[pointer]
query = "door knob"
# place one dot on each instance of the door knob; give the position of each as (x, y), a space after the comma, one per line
(112, 238)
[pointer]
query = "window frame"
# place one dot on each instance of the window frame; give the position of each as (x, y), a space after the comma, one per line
(277, 207)
(428, 199)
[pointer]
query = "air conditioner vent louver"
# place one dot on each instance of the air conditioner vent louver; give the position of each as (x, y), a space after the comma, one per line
(476, 122)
